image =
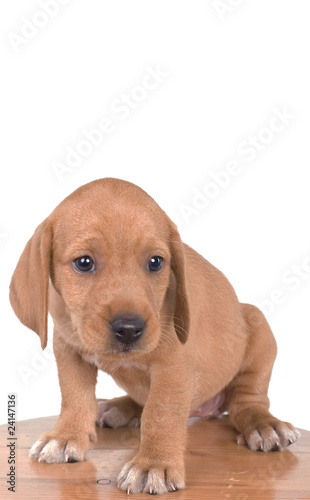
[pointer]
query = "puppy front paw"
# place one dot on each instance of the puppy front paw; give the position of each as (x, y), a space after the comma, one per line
(271, 436)
(144, 476)
(54, 449)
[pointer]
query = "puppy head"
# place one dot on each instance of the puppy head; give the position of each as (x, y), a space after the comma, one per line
(116, 261)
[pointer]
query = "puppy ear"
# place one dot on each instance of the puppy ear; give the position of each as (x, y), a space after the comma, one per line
(29, 284)
(181, 312)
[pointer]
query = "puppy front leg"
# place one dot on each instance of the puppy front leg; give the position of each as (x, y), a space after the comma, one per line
(74, 432)
(158, 466)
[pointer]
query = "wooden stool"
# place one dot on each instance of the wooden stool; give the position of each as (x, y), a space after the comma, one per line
(216, 467)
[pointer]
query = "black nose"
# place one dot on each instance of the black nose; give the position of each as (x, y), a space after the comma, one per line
(127, 328)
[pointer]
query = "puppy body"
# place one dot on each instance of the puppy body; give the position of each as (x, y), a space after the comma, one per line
(199, 351)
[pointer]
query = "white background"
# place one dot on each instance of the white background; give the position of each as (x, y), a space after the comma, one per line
(226, 76)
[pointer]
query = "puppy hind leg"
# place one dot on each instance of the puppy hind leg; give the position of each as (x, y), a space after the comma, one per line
(118, 412)
(248, 403)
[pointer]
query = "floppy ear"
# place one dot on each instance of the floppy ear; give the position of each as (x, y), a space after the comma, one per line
(181, 312)
(29, 284)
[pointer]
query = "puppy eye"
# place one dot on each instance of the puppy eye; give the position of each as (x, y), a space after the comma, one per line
(155, 264)
(84, 264)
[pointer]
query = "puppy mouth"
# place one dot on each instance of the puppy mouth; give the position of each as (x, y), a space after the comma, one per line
(124, 348)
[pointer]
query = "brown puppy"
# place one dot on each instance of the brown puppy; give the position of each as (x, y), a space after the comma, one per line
(128, 297)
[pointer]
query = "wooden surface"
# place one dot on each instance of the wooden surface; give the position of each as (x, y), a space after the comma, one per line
(216, 467)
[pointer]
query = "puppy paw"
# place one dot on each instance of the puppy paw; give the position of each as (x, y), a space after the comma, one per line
(53, 450)
(143, 476)
(270, 436)
(118, 412)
